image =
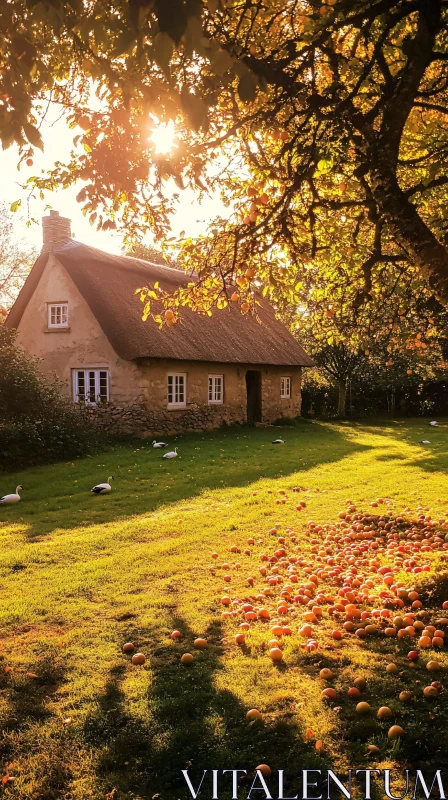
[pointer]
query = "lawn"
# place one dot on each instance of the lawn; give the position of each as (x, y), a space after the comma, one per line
(81, 575)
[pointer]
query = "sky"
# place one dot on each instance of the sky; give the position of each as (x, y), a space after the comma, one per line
(191, 216)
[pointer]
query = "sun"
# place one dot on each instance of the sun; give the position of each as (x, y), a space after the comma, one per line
(164, 137)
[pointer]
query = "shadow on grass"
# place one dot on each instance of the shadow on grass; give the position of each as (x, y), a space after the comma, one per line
(29, 691)
(59, 496)
(28, 713)
(188, 723)
(137, 742)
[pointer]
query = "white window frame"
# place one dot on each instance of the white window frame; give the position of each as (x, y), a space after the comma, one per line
(285, 387)
(175, 376)
(97, 378)
(63, 307)
(212, 383)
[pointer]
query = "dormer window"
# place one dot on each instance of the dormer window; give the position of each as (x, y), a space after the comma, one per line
(57, 315)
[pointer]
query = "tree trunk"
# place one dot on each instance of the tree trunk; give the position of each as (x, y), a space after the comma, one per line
(392, 401)
(342, 400)
(422, 247)
(412, 233)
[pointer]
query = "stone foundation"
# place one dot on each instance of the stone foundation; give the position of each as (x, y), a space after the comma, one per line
(142, 421)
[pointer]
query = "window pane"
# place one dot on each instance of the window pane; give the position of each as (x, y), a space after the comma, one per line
(92, 387)
(286, 387)
(176, 389)
(80, 385)
(215, 388)
(179, 388)
(103, 387)
(58, 315)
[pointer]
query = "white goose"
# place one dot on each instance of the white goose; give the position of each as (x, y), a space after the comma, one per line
(8, 499)
(103, 488)
(159, 444)
(171, 454)
(278, 441)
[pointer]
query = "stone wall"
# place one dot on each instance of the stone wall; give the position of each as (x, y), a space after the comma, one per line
(152, 417)
(273, 405)
(146, 422)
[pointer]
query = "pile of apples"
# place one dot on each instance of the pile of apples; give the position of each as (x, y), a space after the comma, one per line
(355, 578)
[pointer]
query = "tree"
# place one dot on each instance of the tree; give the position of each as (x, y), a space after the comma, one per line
(15, 261)
(400, 333)
(324, 125)
(339, 363)
(345, 367)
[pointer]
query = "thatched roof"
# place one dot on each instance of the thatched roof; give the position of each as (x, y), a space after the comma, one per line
(108, 282)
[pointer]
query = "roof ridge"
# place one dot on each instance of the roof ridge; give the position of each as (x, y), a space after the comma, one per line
(73, 243)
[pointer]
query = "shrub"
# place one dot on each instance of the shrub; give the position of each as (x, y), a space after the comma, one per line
(37, 422)
(319, 396)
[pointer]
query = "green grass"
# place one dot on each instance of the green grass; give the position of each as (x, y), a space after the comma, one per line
(80, 575)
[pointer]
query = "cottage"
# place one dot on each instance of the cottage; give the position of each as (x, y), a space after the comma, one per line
(77, 311)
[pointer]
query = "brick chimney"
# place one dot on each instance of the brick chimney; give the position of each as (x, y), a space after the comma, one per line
(55, 229)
